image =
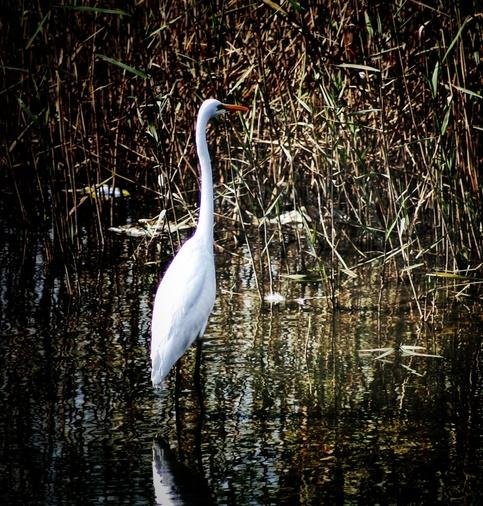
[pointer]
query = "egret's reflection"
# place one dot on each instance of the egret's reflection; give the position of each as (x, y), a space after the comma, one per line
(173, 482)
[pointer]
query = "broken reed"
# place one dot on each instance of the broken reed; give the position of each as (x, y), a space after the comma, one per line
(364, 117)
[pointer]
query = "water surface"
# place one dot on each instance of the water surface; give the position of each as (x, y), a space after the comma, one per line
(289, 411)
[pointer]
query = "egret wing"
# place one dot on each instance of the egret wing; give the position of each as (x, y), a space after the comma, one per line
(183, 303)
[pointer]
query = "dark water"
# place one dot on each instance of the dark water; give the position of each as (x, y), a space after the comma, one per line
(290, 412)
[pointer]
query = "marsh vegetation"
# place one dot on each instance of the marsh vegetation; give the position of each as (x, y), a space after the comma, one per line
(350, 196)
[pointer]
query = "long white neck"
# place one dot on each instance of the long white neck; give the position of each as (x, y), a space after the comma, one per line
(204, 229)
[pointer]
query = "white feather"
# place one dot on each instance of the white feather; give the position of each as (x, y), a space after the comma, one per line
(183, 303)
(186, 294)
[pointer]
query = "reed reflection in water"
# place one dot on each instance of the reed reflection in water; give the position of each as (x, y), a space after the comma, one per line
(290, 411)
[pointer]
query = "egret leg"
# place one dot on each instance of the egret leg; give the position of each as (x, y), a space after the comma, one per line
(197, 376)
(179, 418)
(201, 404)
(177, 381)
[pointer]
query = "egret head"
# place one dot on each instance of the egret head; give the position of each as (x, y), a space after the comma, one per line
(213, 107)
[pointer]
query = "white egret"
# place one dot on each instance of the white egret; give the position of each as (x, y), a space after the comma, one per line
(186, 294)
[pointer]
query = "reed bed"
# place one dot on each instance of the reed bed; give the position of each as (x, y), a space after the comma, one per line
(365, 120)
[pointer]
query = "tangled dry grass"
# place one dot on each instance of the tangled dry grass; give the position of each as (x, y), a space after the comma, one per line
(365, 119)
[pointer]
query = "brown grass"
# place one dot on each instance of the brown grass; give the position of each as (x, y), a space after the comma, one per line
(366, 117)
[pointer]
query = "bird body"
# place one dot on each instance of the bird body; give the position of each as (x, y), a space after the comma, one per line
(186, 294)
(183, 303)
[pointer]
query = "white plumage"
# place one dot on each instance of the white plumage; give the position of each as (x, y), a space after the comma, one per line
(186, 294)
